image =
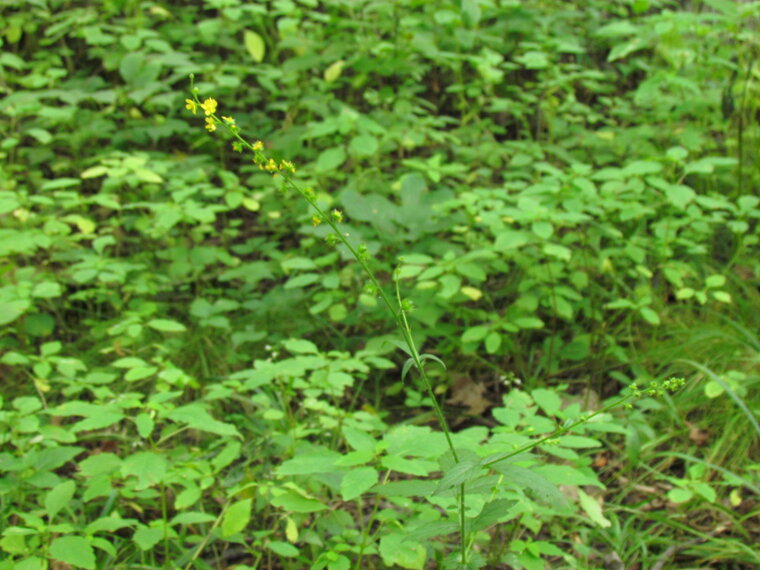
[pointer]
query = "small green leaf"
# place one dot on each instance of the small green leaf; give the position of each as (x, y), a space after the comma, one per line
(334, 71)
(649, 315)
(73, 550)
(593, 509)
(236, 517)
(255, 45)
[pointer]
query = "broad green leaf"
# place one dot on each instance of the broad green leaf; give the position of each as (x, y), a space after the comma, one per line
(475, 334)
(548, 400)
(358, 439)
(255, 45)
(11, 310)
(295, 503)
(282, 548)
(144, 424)
(492, 512)
(330, 159)
(322, 462)
(58, 497)
(398, 552)
(149, 467)
(357, 481)
(236, 517)
(146, 537)
(73, 550)
(197, 417)
(533, 484)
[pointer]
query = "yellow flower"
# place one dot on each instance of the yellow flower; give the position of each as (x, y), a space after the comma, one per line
(315, 220)
(229, 120)
(271, 165)
(258, 145)
(209, 106)
(337, 215)
(210, 124)
(287, 165)
(191, 106)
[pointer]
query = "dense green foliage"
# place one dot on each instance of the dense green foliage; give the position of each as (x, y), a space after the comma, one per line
(194, 377)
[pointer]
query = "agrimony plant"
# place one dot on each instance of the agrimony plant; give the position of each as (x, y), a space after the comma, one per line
(463, 466)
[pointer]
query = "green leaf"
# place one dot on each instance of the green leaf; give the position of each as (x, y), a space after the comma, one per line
(460, 473)
(544, 230)
(146, 537)
(150, 468)
(410, 488)
(364, 145)
(593, 509)
(73, 550)
(358, 439)
(255, 45)
(357, 481)
(58, 497)
(166, 325)
(534, 484)
(330, 159)
(649, 315)
(144, 424)
(322, 462)
(475, 334)
(197, 417)
(492, 512)
(236, 517)
(11, 310)
(282, 548)
(191, 517)
(334, 71)
(295, 503)
(398, 551)
(548, 400)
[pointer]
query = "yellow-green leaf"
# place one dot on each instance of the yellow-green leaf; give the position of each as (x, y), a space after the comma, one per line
(255, 45)
(333, 72)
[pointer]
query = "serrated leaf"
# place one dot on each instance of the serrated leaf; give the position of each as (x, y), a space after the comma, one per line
(534, 484)
(254, 43)
(236, 517)
(492, 513)
(357, 482)
(58, 497)
(146, 537)
(460, 473)
(73, 550)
